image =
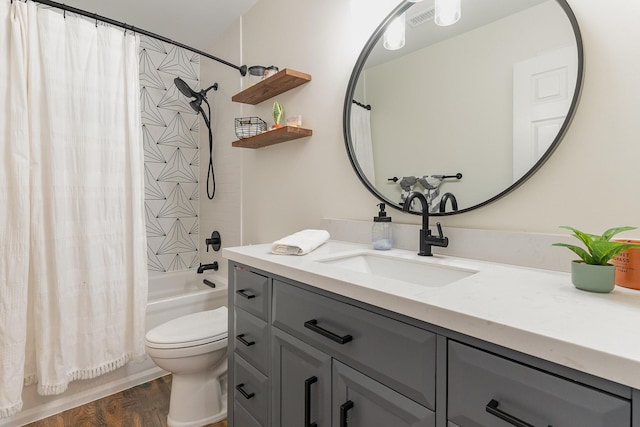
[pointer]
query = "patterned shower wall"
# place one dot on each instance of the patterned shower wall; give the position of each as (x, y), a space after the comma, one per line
(170, 133)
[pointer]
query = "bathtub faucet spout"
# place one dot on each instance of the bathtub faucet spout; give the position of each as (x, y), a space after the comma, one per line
(203, 267)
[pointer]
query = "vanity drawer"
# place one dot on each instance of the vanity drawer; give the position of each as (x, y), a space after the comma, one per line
(242, 418)
(483, 388)
(251, 292)
(394, 353)
(252, 339)
(251, 390)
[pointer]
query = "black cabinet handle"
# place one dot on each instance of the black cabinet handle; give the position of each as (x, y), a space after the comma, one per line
(240, 388)
(307, 401)
(344, 408)
(243, 341)
(492, 408)
(244, 293)
(313, 325)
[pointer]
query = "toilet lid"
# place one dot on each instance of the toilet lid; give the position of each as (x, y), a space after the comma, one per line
(190, 330)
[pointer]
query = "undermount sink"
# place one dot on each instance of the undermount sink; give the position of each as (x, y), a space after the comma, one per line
(417, 272)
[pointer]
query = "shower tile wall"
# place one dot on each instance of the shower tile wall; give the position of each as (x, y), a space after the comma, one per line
(170, 133)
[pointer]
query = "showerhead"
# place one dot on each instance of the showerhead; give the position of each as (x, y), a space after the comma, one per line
(186, 90)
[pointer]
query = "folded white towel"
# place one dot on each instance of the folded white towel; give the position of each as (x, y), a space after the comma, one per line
(300, 243)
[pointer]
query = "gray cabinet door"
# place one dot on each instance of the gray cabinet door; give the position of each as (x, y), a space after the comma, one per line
(301, 382)
(359, 401)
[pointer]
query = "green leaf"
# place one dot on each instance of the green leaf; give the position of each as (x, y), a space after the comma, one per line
(605, 251)
(607, 235)
(584, 255)
(585, 238)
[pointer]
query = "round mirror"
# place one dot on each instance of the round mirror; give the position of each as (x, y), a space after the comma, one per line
(463, 113)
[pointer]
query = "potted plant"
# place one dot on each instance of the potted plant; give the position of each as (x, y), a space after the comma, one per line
(593, 272)
(277, 115)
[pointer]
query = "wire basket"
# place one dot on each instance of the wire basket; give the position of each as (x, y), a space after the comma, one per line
(247, 127)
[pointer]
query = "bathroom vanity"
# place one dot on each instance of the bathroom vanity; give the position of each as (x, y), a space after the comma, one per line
(324, 340)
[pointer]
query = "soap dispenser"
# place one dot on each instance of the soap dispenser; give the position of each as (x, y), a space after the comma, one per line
(381, 237)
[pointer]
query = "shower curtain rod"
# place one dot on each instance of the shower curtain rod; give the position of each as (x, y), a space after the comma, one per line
(242, 69)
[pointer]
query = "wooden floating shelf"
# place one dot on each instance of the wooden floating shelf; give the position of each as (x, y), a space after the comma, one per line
(275, 136)
(280, 82)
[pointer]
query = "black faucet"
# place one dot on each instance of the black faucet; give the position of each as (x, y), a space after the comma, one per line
(426, 239)
(203, 267)
(445, 198)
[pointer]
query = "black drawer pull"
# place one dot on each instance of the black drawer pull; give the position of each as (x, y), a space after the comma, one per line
(313, 325)
(240, 388)
(244, 293)
(344, 408)
(492, 408)
(243, 341)
(307, 401)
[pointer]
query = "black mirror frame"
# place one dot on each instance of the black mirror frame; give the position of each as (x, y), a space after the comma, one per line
(357, 69)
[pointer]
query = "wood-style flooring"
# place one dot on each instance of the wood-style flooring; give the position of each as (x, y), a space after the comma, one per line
(146, 405)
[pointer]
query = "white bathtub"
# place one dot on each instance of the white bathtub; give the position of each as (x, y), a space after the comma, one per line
(171, 295)
(175, 294)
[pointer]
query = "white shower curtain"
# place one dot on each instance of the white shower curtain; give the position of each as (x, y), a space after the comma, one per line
(361, 140)
(14, 209)
(87, 274)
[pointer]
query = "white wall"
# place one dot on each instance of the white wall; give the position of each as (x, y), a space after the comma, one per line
(590, 181)
(223, 212)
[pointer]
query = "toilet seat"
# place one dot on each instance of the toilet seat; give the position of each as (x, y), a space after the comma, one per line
(192, 330)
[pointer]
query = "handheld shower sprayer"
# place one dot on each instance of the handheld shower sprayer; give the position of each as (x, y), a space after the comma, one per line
(196, 104)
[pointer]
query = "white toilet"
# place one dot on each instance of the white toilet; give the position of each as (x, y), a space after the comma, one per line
(194, 349)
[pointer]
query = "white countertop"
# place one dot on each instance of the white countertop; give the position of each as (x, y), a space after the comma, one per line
(537, 312)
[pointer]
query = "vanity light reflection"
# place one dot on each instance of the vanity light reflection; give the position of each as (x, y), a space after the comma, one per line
(447, 12)
(394, 36)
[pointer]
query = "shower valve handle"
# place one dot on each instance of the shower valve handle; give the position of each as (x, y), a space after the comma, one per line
(215, 241)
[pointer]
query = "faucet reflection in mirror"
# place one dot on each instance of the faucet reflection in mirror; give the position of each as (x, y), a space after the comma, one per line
(430, 184)
(426, 239)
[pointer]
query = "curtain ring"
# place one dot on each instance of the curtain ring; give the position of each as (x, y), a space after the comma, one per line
(64, 11)
(95, 16)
